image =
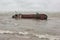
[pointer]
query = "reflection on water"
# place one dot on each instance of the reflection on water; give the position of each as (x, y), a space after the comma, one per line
(29, 29)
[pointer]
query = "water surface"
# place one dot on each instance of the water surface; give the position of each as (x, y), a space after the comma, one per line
(29, 29)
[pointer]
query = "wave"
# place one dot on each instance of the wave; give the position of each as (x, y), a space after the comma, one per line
(11, 32)
(40, 36)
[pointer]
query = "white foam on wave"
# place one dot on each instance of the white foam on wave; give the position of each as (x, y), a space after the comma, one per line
(47, 36)
(23, 33)
(11, 32)
(50, 37)
(2, 31)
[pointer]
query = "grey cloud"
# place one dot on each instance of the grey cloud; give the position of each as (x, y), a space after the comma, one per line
(37, 5)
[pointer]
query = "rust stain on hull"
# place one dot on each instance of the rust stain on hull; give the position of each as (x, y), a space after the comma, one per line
(30, 16)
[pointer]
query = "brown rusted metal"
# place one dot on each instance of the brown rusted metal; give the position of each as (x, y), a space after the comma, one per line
(30, 16)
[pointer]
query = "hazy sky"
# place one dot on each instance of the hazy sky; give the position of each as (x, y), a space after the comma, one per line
(30, 5)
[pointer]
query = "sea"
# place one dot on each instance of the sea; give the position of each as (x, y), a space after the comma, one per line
(29, 29)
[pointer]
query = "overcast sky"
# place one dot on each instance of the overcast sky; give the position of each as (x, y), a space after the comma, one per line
(30, 5)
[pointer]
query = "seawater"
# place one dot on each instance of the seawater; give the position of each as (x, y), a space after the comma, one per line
(29, 29)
